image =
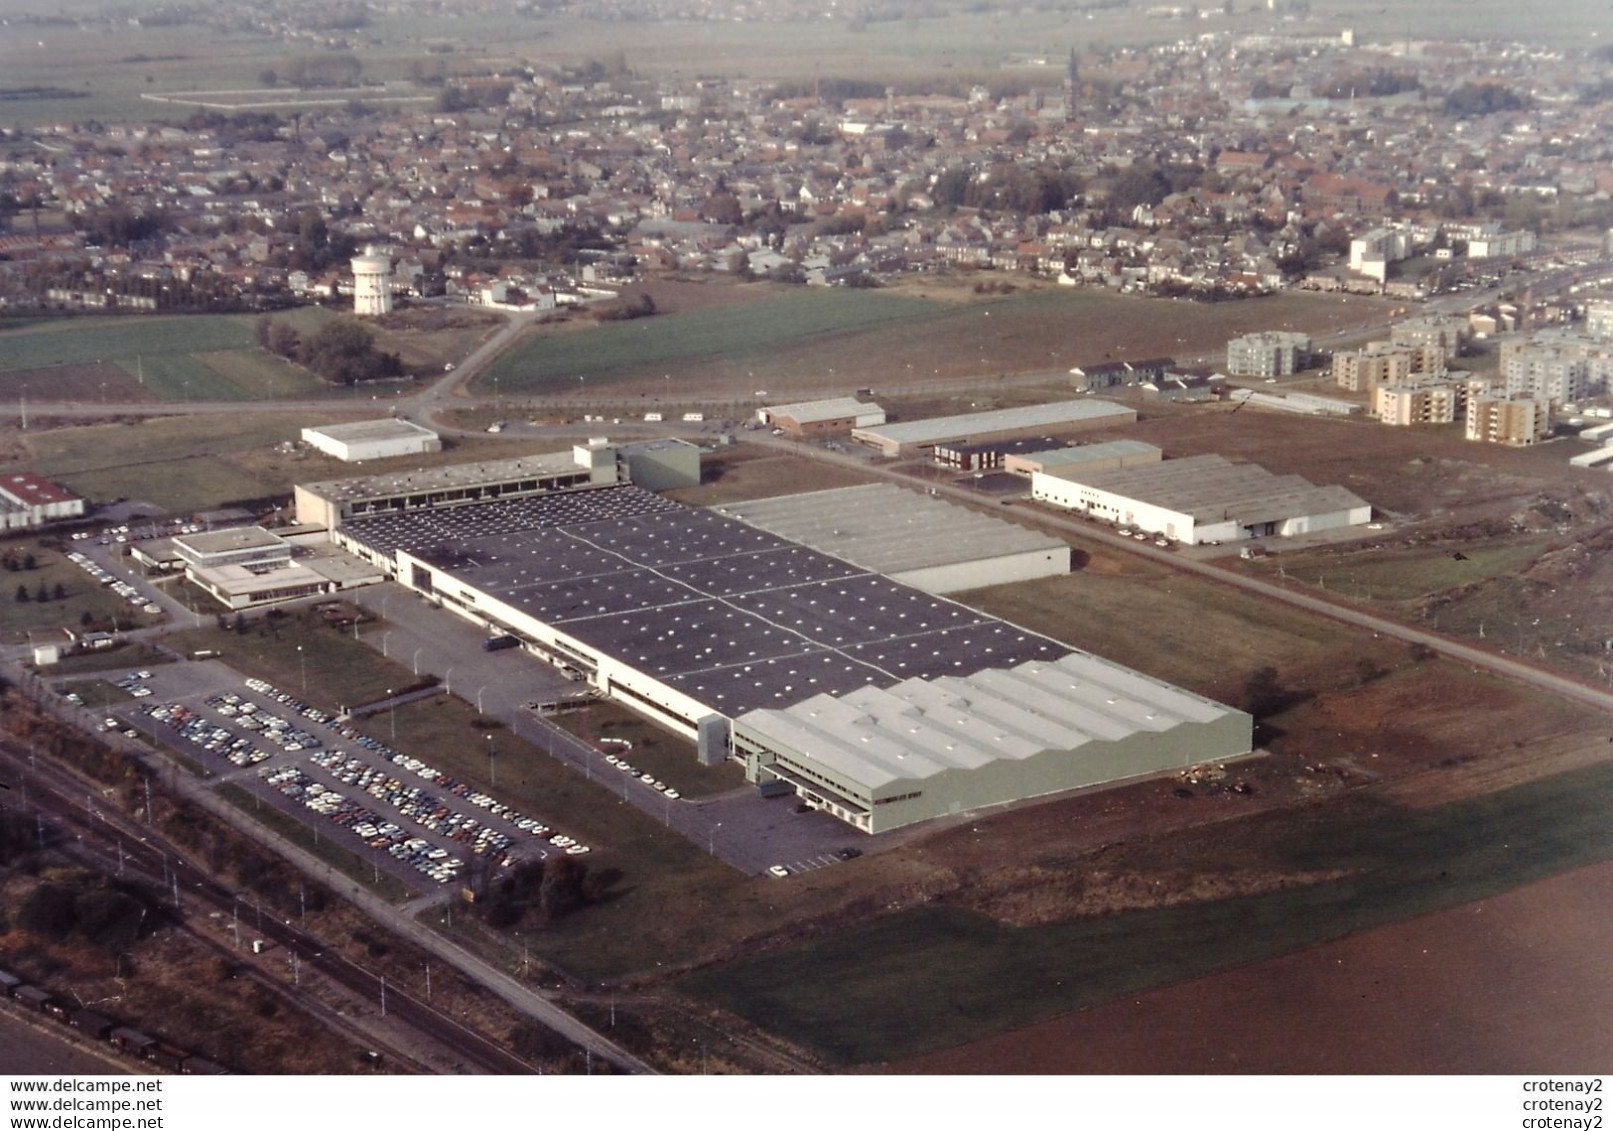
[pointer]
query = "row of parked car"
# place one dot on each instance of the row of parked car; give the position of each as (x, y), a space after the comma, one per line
(201, 731)
(283, 732)
(650, 780)
(379, 833)
(482, 838)
(122, 588)
(415, 803)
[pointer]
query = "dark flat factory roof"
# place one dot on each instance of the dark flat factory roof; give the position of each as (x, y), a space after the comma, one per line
(733, 616)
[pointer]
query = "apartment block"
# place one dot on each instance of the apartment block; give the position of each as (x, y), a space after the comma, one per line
(1516, 421)
(1271, 353)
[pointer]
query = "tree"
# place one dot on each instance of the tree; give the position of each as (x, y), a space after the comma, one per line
(60, 592)
(560, 892)
(22, 593)
(43, 593)
(29, 562)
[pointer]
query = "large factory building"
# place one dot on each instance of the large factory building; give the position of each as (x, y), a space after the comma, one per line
(745, 640)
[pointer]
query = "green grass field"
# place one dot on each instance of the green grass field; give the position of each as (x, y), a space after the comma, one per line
(180, 358)
(799, 342)
(937, 977)
(668, 756)
(182, 464)
(1404, 573)
(747, 332)
(82, 594)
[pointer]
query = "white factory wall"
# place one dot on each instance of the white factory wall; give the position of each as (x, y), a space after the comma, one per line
(668, 706)
(959, 576)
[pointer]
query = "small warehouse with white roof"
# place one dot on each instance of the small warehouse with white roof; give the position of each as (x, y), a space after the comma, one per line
(818, 418)
(1202, 499)
(372, 439)
(913, 437)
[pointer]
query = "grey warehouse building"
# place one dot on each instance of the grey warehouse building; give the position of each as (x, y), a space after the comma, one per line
(744, 639)
(924, 542)
(913, 436)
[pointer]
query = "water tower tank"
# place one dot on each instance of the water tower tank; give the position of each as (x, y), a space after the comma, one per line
(372, 283)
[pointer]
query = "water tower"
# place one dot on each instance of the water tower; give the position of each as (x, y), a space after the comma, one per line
(372, 283)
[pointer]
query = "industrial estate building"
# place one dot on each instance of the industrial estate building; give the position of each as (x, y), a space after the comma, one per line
(661, 463)
(741, 639)
(28, 501)
(1090, 457)
(1201, 499)
(250, 566)
(837, 415)
(924, 542)
(372, 439)
(883, 757)
(917, 436)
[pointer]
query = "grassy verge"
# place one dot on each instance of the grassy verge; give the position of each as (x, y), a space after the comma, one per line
(318, 664)
(937, 977)
(81, 596)
(350, 864)
(99, 694)
(1403, 573)
(668, 756)
(1186, 630)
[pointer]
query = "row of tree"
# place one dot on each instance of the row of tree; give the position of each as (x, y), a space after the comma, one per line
(42, 594)
(342, 351)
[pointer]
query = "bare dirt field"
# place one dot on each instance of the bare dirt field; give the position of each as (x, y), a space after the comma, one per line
(88, 383)
(1512, 984)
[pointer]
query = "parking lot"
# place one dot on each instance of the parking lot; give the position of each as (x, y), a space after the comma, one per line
(415, 820)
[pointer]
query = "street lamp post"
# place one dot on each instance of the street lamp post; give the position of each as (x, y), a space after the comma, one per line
(302, 659)
(711, 840)
(479, 691)
(448, 681)
(392, 714)
(492, 772)
(384, 635)
(416, 662)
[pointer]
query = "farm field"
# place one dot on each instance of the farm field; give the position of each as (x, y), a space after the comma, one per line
(101, 70)
(799, 343)
(179, 464)
(962, 974)
(120, 360)
(1526, 964)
